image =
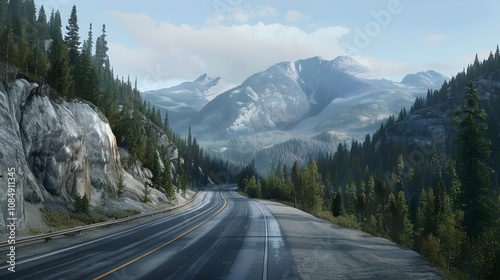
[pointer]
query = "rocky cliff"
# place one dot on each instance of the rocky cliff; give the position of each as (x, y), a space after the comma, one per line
(58, 150)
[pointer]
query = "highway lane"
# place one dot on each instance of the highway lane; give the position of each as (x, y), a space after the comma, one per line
(224, 237)
(242, 242)
(87, 260)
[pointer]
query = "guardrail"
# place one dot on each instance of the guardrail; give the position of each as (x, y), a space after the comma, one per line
(49, 236)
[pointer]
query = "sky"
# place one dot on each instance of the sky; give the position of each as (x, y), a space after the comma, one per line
(163, 43)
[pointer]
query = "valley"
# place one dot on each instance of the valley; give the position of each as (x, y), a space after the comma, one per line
(315, 101)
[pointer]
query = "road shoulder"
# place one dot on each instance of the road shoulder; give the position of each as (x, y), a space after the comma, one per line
(323, 250)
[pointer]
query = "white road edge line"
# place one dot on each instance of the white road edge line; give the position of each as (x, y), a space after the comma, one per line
(72, 247)
(264, 271)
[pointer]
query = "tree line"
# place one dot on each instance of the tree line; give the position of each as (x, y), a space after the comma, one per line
(35, 45)
(441, 199)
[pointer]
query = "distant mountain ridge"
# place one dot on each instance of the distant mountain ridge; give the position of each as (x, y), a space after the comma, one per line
(430, 79)
(186, 98)
(291, 93)
(314, 100)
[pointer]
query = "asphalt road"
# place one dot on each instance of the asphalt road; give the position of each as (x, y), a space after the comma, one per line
(226, 236)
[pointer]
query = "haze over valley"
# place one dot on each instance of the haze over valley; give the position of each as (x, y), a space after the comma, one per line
(319, 102)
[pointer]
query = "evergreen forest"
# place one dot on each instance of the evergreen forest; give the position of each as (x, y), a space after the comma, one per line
(73, 65)
(438, 194)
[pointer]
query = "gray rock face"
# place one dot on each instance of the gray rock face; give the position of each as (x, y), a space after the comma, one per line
(423, 128)
(12, 155)
(58, 149)
(54, 148)
(100, 143)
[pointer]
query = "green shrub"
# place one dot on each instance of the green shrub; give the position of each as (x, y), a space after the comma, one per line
(431, 248)
(81, 204)
(35, 231)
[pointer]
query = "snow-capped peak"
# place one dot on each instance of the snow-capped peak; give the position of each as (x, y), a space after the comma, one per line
(350, 66)
(346, 61)
(427, 79)
(203, 79)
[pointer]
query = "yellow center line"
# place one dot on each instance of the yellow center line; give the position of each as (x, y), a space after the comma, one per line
(163, 245)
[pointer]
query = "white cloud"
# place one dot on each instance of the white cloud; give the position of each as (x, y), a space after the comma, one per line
(166, 51)
(242, 14)
(435, 38)
(293, 15)
(394, 71)
(266, 11)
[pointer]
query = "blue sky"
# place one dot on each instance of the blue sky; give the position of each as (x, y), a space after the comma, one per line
(165, 42)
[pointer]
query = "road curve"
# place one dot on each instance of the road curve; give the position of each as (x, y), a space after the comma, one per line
(226, 236)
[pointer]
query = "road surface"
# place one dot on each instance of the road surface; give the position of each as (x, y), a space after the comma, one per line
(228, 236)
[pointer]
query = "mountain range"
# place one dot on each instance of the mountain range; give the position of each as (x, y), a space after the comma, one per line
(312, 99)
(183, 100)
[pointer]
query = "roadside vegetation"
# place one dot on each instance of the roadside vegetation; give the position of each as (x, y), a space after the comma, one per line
(446, 206)
(65, 219)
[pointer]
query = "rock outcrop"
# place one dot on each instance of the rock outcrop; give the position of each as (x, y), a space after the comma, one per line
(58, 150)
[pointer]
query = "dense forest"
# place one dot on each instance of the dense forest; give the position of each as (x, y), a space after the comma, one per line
(440, 197)
(35, 48)
(438, 193)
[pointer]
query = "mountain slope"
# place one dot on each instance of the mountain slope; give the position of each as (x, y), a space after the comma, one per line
(428, 79)
(314, 95)
(281, 96)
(189, 97)
(314, 100)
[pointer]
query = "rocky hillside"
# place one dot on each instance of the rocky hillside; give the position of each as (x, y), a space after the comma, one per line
(61, 149)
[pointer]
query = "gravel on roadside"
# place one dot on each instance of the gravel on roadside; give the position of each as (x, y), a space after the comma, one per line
(323, 250)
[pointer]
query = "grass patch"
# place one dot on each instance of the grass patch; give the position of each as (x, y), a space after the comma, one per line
(35, 231)
(64, 219)
(117, 214)
(348, 221)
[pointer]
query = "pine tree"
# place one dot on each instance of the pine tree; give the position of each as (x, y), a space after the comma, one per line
(88, 44)
(166, 124)
(59, 71)
(297, 188)
(55, 25)
(497, 57)
(15, 26)
(166, 177)
(101, 51)
(480, 216)
(352, 198)
(4, 5)
(14, 19)
(86, 81)
(30, 24)
(7, 53)
(72, 37)
(473, 151)
(313, 187)
(338, 205)
(37, 61)
(43, 27)
(190, 138)
(401, 229)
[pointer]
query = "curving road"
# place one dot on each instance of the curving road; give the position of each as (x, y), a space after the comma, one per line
(227, 236)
